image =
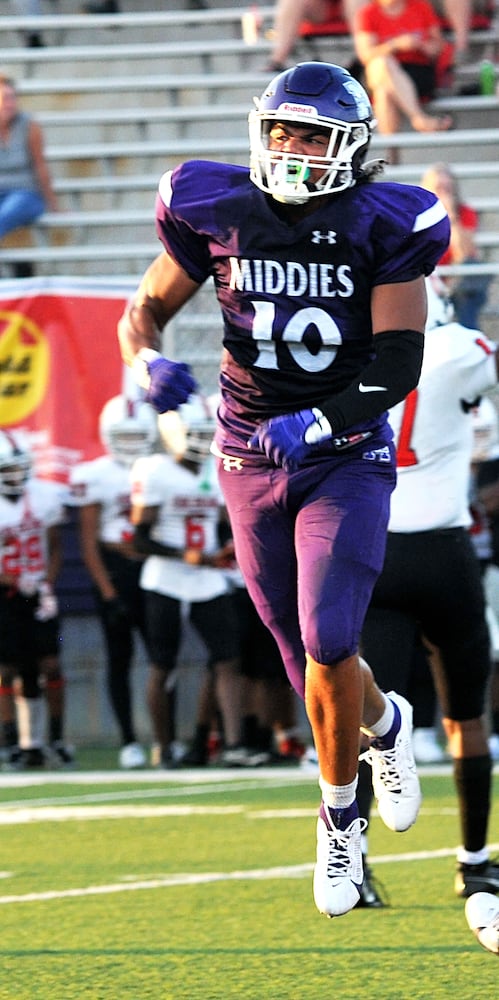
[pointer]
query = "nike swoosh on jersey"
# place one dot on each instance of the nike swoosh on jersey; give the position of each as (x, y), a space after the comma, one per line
(372, 388)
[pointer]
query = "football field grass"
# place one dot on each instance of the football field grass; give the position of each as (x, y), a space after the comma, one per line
(198, 886)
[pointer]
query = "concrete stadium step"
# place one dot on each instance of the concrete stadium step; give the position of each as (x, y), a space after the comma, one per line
(71, 27)
(134, 123)
(234, 147)
(172, 88)
(203, 55)
(114, 122)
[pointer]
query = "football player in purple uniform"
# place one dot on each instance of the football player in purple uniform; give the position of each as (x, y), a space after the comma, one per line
(320, 278)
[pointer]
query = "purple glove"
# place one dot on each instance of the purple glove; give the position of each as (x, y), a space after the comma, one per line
(287, 440)
(167, 383)
(170, 384)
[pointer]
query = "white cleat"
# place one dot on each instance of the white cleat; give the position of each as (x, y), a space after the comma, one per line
(338, 873)
(494, 746)
(482, 914)
(395, 778)
(427, 749)
(132, 756)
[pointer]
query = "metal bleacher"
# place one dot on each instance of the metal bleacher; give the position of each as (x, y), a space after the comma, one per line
(123, 97)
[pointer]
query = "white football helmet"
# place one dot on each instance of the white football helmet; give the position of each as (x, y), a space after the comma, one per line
(128, 429)
(318, 95)
(188, 431)
(15, 462)
(485, 430)
(440, 308)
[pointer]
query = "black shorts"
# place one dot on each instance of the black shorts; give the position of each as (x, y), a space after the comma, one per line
(23, 639)
(259, 652)
(431, 584)
(214, 620)
(423, 77)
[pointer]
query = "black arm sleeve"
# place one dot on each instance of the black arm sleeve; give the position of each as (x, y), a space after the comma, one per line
(386, 380)
(143, 543)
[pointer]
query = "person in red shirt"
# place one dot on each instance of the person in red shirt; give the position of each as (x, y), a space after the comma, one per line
(468, 292)
(398, 43)
(289, 15)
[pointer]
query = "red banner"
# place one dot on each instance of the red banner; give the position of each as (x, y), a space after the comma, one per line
(59, 364)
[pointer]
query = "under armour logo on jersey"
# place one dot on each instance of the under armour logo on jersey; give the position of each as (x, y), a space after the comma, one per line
(319, 237)
(230, 463)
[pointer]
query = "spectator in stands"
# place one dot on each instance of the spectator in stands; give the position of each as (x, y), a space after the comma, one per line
(290, 13)
(100, 489)
(25, 185)
(468, 292)
(287, 19)
(398, 43)
(459, 14)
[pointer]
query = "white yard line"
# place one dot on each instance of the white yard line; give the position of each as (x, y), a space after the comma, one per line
(61, 812)
(200, 878)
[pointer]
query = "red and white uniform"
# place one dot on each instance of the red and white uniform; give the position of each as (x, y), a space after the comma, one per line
(189, 511)
(24, 524)
(106, 482)
(434, 434)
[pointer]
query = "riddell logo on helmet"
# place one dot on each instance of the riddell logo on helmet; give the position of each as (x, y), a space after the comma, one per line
(298, 109)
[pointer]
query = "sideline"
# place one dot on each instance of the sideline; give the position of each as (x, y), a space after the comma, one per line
(284, 775)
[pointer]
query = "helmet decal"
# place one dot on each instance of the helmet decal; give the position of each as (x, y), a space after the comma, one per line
(297, 109)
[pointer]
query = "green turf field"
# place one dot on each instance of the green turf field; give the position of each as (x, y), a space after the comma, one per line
(199, 887)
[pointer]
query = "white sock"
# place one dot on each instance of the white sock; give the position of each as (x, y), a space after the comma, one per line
(338, 796)
(465, 857)
(30, 721)
(385, 723)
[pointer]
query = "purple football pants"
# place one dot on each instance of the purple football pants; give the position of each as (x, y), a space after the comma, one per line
(310, 546)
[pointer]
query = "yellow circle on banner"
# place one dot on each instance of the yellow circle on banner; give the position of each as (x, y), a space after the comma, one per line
(24, 367)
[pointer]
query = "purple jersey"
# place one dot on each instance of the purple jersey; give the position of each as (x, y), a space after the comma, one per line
(295, 299)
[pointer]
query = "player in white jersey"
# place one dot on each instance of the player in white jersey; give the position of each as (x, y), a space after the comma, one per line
(31, 511)
(176, 508)
(431, 578)
(485, 535)
(101, 490)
